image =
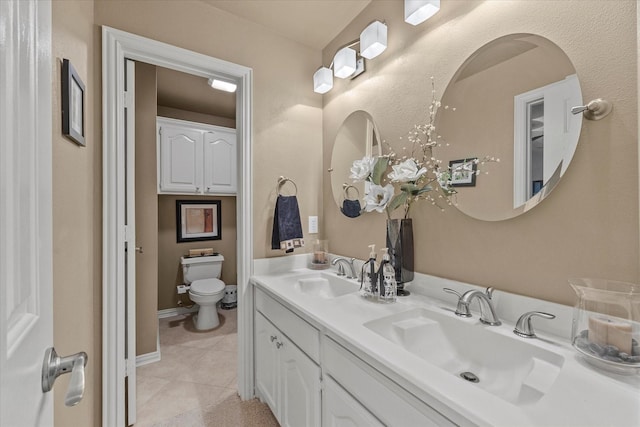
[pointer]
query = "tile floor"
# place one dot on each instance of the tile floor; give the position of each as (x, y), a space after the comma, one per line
(194, 385)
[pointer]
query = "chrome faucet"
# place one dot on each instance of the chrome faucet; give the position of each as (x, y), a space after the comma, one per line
(349, 262)
(488, 314)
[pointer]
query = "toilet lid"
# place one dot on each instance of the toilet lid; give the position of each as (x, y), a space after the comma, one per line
(207, 286)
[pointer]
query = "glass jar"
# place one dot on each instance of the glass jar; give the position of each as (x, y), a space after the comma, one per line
(606, 324)
(320, 256)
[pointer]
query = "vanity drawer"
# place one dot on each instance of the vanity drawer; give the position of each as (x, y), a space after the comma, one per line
(393, 405)
(305, 336)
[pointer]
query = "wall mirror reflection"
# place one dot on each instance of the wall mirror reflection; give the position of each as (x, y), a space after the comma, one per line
(512, 100)
(357, 137)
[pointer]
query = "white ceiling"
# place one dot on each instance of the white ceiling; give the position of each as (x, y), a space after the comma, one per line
(313, 23)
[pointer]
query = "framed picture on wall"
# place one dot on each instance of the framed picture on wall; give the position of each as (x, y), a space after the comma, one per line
(198, 220)
(463, 172)
(72, 104)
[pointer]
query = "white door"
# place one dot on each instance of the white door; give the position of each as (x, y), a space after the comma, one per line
(220, 164)
(180, 159)
(340, 409)
(267, 362)
(26, 311)
(299, 387)
(130, 243)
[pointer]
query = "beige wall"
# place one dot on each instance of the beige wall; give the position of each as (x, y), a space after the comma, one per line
(191, 116)
(588, 226)
(146, 210)
(287, 130)
(287, 113)
(169, 252)
(77, 221)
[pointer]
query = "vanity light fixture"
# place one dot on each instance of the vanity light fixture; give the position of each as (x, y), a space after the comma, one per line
(222, 85)
(323, 80)
(344, 63)
(373, 40)
(418, 11)
(348, 62)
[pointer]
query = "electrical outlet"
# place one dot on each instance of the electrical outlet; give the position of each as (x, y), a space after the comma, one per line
(182, 289)
(313, 225)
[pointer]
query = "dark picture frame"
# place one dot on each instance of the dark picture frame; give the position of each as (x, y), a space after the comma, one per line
(198, 220)
(73, 104)
(463, 172)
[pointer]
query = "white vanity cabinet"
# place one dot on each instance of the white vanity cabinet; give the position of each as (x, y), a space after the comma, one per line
(340, 409)
(195, 158)
(287, 378)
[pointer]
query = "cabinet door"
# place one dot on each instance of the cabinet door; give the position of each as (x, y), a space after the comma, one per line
(266, 337)
(220, 162)
(300, 387)
(180, 167)
(340, 409)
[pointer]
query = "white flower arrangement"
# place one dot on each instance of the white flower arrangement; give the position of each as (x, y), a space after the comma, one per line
(417, 175)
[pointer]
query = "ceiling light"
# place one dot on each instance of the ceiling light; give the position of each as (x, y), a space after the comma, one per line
(344, 63)
(418, 11)
(373, 40)
(222, 85)
(323, 80)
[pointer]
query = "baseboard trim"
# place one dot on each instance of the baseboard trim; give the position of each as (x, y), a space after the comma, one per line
(145, 359)
(168, 312)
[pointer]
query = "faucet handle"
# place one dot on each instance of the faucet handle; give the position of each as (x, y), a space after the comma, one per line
(524, 327)
(489, 291)
(451, 291)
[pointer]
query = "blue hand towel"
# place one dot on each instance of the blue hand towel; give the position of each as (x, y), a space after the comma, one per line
(287, 229)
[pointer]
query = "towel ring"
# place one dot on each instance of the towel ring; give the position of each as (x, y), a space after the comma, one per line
(345, 189)
(283, 180)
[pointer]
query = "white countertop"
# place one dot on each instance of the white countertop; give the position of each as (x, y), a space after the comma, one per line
(580, 396)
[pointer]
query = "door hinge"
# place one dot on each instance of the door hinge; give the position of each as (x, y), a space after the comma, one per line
(126, 234)
(128, 99)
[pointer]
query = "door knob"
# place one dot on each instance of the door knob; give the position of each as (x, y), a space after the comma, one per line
(139, 249)
(54, 366)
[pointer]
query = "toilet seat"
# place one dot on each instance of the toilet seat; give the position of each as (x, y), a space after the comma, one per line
(207, 286)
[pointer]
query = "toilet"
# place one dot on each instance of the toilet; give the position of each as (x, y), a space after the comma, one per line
(206, 289)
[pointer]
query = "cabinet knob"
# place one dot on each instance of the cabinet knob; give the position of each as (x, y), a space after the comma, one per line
(279, 344)
(273, 338)
(197, 189)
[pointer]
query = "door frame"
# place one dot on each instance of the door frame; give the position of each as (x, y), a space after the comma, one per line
(116, 46)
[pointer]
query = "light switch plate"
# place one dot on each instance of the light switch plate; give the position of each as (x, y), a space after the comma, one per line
(313, 225)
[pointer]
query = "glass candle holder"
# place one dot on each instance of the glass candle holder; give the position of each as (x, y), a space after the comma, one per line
(320, 256)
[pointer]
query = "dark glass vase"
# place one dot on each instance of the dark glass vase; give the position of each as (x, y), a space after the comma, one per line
(400, 244)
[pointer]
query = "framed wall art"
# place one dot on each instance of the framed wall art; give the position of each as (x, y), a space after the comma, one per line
(463, 172)
(198, 220)
(73, 125)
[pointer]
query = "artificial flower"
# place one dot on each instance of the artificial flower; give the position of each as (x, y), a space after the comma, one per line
(406, 171)
(378, 197)
(362, 169)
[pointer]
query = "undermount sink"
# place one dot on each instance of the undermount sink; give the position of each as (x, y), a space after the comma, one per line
(507, 367)
(325, 285)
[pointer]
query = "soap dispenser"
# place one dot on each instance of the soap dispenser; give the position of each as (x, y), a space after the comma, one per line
(368, 276)
(388, 288)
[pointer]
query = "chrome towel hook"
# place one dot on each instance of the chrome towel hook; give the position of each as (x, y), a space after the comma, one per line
(594, 110)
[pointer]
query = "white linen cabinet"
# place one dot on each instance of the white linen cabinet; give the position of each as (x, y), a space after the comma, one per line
(196, 158)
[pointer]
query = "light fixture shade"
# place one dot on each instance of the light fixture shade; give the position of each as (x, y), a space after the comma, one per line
(418, 11)
(373, 40)
(344, 63)
(322, 80)
(222, 85)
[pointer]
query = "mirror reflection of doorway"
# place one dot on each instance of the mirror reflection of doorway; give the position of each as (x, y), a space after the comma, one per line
(535, 149)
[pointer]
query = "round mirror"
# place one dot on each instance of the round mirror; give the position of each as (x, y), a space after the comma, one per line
(511, 100)
(357, 137)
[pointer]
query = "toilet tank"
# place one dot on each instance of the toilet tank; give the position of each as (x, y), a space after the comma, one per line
(201, 267)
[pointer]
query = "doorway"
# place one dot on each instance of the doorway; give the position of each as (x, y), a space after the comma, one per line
(118, 46)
